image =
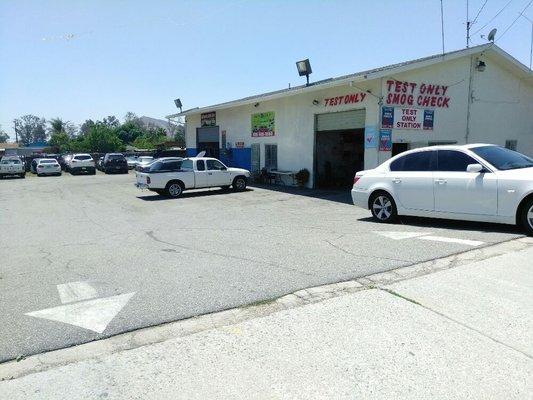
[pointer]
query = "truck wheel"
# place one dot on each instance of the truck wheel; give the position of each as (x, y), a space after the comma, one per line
(239, 184)
(526, 217)
(174, 189)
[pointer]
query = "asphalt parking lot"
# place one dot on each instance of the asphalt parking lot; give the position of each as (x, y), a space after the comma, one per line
(86, 257)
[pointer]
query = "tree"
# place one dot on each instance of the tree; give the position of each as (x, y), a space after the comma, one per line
(30, 128)
(101, 139)
(111, 122)
(61, 141)
(151, 139)
(179, 134)
(86, 126)
(4, 137)
(129, 131)
(57, 125)
(131, 117)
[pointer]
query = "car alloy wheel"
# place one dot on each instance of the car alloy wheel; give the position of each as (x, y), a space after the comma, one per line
(240, 184)
(382, 208)
(175, 189)
(529, 217)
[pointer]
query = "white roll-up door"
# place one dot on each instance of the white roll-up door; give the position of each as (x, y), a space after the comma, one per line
(341, 120)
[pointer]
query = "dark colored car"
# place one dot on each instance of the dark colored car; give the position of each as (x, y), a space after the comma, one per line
(115, 162)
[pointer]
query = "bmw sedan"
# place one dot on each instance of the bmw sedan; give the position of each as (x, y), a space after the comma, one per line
(475, 182)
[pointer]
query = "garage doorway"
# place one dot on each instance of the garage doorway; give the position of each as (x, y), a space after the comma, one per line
(339, 148)
(208, 141)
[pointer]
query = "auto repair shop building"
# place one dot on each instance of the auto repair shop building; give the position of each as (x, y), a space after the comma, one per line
(338, 126)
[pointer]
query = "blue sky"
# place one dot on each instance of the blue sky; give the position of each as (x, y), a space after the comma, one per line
(88, 59)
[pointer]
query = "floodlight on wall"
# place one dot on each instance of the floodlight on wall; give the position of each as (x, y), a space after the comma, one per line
(480, 65)
(316, 102)
(256, 105)
(304, 69)
(178, 104)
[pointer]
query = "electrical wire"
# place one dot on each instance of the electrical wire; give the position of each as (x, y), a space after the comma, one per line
(479, 12)
(516, 19)
(493, 18)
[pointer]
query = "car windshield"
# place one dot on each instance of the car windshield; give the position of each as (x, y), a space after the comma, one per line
(87, 157)
(11, 161)
(502, 158)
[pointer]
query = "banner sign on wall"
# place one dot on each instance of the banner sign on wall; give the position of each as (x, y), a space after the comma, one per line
(429, 118)
(208, 118)
(263, 124)
(385, 140)
(371, 137)
(407, 118)
(387, 117)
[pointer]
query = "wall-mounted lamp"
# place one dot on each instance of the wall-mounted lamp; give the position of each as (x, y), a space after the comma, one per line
(316, 102)
(304, 69)
(256, 105)
(480, 66)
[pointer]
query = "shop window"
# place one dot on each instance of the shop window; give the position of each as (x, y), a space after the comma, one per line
(271, 156)
(511, 144)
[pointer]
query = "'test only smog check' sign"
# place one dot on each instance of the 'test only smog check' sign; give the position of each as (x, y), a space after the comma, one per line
(417, 94)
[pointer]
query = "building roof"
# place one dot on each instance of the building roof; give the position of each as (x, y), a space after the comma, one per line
(365, 76)
(9, 145)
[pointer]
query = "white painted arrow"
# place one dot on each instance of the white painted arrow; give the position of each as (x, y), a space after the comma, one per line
(76, 291)
(401, 235)
(93, 315)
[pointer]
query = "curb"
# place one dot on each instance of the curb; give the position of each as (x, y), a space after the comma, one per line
(150, 335)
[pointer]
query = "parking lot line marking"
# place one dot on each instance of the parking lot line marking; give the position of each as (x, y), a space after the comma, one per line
(401, 235)
(452, 240)
(76, 291)
(93, 315)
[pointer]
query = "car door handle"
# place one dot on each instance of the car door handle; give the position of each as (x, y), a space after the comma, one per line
(397, 180)
(209, 173)
(440, 181)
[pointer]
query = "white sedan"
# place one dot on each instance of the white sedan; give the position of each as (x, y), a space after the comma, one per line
(477, 182)
(48, 166)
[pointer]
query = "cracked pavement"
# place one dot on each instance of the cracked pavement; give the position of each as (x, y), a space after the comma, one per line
(205, 252)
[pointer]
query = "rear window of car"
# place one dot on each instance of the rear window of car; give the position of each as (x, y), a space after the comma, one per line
(48, 162)
(116, 157)
(11, 161)
(419, 161)
(87, 157)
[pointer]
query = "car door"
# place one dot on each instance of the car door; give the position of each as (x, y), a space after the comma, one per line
(411, 179)
(201, 174)
(461, 192)
(217, 173)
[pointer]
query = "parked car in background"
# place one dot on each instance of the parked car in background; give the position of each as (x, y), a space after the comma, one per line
(33, 165)
(115, 162)
(62, 160)
(99, 164)
(171, 176)
(48, 166)
(143, 161)
(81, 163)
(12, 166)
(476, 182)
(132, 162)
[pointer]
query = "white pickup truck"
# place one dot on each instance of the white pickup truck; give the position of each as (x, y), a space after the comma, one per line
(11, 166)
(171, 176)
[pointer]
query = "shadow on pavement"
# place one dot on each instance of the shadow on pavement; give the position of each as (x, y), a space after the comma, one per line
(190, 194)
(422, 222)
(336, 195)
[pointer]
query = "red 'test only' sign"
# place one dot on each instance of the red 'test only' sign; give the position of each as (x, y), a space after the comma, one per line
(412, 93)
(346, 99)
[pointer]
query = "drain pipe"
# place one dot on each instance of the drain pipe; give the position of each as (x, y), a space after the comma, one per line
(470, 96)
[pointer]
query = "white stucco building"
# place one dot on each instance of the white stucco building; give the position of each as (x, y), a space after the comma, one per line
(337, 126)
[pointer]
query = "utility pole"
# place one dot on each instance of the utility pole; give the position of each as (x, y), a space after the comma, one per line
(467, 27)
(531, 46)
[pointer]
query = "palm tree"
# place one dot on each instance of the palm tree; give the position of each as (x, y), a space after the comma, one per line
(57, 125)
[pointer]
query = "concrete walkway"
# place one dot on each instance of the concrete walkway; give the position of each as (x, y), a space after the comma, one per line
(461, 332)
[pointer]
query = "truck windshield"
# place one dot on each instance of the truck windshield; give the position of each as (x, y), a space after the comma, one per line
(502, 158)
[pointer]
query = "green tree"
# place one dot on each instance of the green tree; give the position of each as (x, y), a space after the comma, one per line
(30, 128)
(151, 139)
(111, 122)
(101, 139)
(86, 126)
(61, 141)
(4, 137)
(57, 125)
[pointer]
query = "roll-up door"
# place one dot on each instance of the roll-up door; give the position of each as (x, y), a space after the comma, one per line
(208, 134)
(340, 120)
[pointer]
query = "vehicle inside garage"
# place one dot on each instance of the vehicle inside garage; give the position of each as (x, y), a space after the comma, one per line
(339, 148)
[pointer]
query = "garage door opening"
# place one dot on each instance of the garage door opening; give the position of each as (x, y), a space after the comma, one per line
(339, 148)
(208, 141)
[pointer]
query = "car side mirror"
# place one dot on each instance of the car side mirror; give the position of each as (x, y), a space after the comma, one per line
(474, 168)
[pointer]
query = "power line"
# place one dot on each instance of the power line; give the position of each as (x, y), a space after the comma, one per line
(493, 18)
(516, 19)
(479, 12)
(442, 24)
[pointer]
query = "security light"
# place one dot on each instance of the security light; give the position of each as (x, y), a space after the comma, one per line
(304, 68)
(316, 102)
(480, 66)
(177, 102)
